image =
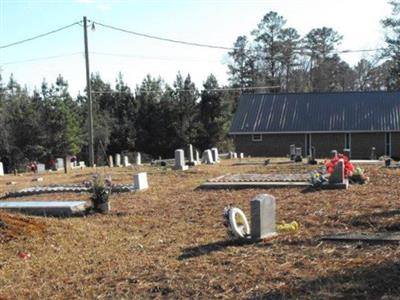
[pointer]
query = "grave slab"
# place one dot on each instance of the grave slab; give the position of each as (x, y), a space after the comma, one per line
(393, 236)
(46, 208)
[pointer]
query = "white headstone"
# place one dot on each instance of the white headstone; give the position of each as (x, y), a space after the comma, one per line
(126, 161)
(41, 168)
(263, 216)
(191, 154)
(82, 164)
(110, 161)
(118, 160)
(59, 163)
(138, 159)
(215, 155)
(241, 155)
(1, 169)
(234, 155)
(207, 157)
(140, 181)
(180, 160)
(198, 157)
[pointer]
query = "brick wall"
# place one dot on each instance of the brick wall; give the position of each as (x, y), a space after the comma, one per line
(361, 144)
(396, 145)
(277, 145)
(324, 143)
(274, 145)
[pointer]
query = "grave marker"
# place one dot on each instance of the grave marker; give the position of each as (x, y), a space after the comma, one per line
(126, 161)
(263, 216)
(118, 160)
(333, 153)
(347, 152)
(140, 181)
(59, 164)
(1, 169)
(241, 155)
(41, 168)
(298, 157)
(207, 157)
(292, 151)
(373, 153)
(198, 158)
(110, 161)
(138, 159)
(337, 175)
(215, 156)
(180, 160)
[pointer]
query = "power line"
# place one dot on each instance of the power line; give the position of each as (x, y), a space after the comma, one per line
(40, 58)
(39, 36)
(154, 37)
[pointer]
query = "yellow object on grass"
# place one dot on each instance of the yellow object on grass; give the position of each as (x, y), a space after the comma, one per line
(288, 227)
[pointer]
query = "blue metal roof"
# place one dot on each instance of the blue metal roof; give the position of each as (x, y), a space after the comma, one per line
(317, 112)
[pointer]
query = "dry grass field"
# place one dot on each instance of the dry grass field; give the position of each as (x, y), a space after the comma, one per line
(170, 242)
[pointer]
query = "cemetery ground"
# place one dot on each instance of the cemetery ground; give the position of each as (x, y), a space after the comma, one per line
(169, 241)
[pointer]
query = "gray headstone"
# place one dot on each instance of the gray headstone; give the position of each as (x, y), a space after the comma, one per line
(263, 216)
(118, 160)
(1, 169)
(313, 153)
(138, 159)
(292, 151)
(333, 153)
(207, 157)
(110, 161)
(337, 175)
(373, 153)
(41, 168)
(215, 156)
(298, 154)
(180, 160)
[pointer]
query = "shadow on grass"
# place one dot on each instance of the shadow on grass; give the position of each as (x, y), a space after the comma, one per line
(379, 281)
(213, 247)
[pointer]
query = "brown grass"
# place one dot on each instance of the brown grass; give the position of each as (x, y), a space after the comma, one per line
(169, 242)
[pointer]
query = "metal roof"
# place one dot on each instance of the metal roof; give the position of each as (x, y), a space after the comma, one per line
(317, 112)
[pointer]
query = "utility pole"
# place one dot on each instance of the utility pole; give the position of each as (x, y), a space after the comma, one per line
(89, 95)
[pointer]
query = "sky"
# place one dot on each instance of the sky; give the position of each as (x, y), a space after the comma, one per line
(217, 22)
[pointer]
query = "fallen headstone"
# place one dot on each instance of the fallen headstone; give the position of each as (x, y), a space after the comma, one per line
(46, 208)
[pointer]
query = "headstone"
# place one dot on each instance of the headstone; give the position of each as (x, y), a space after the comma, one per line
(215, 156)
(140, 181)
(82, 164)
(292, 151)
(207, 157)
(263, 216)
(388, 162)
(298, 157)
(234, 155)
(180, 160)
(241, 155)
(337, 175)
(198, 157)
(373, 153)
(1, 169)
(59, 164)
(138, 159)
(110, 161)
(333, 153)
(191, 155)
(126, 161)
(41, 168)
(118, 160)
(347, 152)
(230, 155)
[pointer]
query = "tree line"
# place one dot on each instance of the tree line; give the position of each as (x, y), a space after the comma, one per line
(156, 118)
